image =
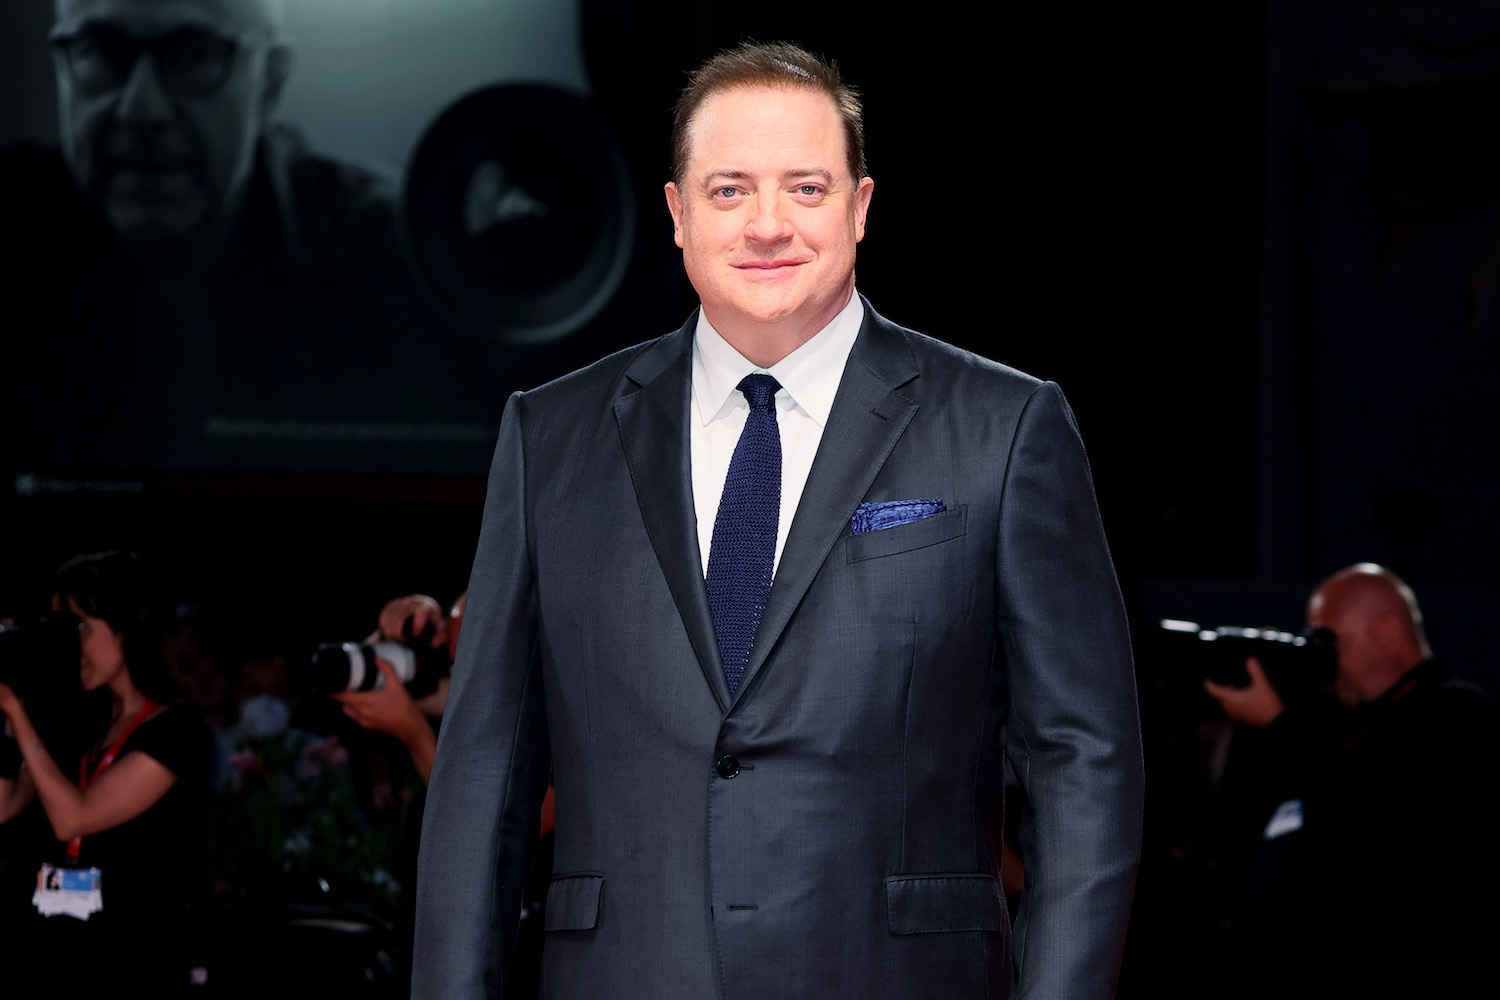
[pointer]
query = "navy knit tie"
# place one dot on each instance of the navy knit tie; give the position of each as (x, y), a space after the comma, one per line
(743, 550)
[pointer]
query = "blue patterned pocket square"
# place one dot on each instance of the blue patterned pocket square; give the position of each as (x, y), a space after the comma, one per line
(892, 514)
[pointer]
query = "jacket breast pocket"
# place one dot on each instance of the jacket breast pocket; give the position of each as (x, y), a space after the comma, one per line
(573, 902)
(937, 903)
(904, 538)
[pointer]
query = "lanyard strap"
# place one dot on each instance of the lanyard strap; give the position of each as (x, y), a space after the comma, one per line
(84, 778)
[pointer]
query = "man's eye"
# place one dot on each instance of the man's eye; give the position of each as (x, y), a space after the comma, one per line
(810, 190)
(191, 52)
(725, 192)
(86, 47)
(98, 52)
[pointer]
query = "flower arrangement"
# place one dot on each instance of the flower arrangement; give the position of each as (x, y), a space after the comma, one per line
(288, 829)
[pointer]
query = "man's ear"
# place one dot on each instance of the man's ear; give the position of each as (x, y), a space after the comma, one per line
(1393, 636)
(675, 206)
(862, 195)
(279, 60)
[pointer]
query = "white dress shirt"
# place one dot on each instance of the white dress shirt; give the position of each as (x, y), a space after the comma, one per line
(809, 378)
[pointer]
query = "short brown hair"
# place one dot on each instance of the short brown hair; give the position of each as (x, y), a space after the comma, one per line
(773, 64)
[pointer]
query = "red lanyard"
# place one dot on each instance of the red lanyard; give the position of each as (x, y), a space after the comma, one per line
(84, 778)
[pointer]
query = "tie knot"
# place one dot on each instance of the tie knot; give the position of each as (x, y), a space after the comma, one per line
(759, 390)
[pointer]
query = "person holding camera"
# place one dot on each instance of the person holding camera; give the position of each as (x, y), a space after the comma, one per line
(1376, 879)
(419, 620)
(390, 708)
(128, 817)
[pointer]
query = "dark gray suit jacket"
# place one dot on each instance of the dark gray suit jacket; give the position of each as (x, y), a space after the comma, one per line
(850, 852)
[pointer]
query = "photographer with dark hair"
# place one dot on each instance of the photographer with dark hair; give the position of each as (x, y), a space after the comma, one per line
(129, 815)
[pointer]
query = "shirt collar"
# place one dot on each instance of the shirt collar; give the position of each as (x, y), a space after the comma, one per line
(810, 374)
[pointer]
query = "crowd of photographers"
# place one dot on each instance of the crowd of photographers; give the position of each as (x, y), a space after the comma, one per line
(216, 829)
(143, 789)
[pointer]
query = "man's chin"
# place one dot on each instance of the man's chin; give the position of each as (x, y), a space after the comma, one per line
(154, 225)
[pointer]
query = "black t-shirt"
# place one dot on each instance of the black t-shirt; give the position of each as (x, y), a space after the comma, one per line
(153, 873)
(158, 860)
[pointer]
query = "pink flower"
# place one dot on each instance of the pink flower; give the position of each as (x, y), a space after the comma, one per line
(382, 797)
(327, 752)
(246, 762)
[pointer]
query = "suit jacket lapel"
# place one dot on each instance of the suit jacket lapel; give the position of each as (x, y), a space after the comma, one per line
(867, 418)
(653, 429)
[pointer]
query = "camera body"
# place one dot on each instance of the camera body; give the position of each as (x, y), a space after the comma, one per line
(39, 656)
(350, 666)
(1299, 664)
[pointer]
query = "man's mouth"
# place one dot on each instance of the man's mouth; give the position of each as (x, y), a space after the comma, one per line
(148, 164)
(150, 180)
(769, 265)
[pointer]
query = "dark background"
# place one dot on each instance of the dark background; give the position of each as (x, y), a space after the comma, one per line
(1039, 200)
(1239, 236)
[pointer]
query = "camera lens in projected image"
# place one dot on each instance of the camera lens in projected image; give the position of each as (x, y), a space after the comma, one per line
(519, 212)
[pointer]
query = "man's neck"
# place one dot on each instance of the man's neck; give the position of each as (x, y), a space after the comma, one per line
(764, 344)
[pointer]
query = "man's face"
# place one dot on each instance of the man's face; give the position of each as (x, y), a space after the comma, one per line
(160, 105)
(767, 214)
(1357, 655)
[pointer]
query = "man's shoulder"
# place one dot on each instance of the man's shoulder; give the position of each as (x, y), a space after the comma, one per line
(353, 186)
(945, 367)
(1442, 717)
(605, 379)
(1465, 704)
(336, 212)
(943, 356)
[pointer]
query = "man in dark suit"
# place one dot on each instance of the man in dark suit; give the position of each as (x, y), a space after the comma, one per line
(776, 595)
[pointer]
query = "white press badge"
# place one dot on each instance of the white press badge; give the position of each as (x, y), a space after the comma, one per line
(1287, 819)
(72, 892)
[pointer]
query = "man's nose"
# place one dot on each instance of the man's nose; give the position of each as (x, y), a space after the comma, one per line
(768, 220)
(144, 100)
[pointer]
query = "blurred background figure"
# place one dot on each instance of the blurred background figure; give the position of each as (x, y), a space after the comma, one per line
(419, 620)
(131, 808)
(1366, 873)
(413, 620)
(185, 269)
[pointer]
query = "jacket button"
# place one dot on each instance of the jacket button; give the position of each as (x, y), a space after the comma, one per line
(727, 766)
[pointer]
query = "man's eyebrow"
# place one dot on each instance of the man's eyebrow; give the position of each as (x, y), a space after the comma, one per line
(80, 26)
(740, 175)
(188, 20)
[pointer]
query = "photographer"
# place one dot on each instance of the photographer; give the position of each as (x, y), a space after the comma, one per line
(1279, 740)
(128, 817)
(390, 708)
(419, 619)
(1367, 876)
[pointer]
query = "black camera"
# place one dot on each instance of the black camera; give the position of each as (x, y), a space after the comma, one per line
(39, 656)
(350, 666)
(1300, 665)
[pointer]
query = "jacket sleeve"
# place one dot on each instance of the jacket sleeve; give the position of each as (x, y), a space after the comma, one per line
(481, 821)
(1074, 729)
